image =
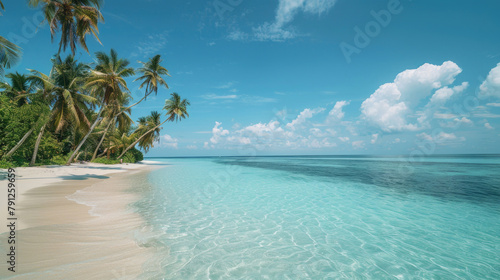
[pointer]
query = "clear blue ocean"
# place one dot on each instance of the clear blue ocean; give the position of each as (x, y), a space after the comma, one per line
(321, 217)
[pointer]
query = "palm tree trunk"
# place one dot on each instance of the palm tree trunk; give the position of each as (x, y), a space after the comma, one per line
(72, 157)
(37, 145)
(13, 150)
(114, 117)
(139, 139)
(102, 140)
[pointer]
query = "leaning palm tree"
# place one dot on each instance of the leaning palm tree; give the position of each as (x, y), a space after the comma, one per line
(145, 125)
(9, 52)
(114, 116)
(152, 73)
(63, 91)
(152, 77)
(74, 18)
(108, 82)
(176, 108)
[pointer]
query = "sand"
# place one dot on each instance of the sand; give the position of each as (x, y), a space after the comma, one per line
(75, 222)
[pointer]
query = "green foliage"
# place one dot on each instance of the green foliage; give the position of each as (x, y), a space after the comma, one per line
(132, 156)
(106, 161)
(15, 122)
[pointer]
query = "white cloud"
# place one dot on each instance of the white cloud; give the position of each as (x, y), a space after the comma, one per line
(358, 144)
(344, 139)
(192, 147)
(374, 138)
(336, 113)
(237, 35)
(444, 116)
(391, 103)
(488, 126)
(169, 142)
(279, 29)
(457, 122)
(441, 138)
(218, 132)
(491, 86)
(263, 129)
(151, 45)
(463, 120)
(493, 104)
(318, 144)
(444, 94)
(303, 117)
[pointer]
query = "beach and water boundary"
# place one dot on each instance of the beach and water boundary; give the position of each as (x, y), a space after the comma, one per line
(277, 217)
(76, 222)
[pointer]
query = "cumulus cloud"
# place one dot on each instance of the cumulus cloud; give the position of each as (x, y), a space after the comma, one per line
(218, 132)
(374, 138)
(389, 106)
(168, 141)
(337, 113)
(444, 94)
(344, 139)
(491, 86)
(303, 117)
(488, 126)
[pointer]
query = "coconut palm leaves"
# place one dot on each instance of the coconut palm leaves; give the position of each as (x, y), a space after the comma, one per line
(108, 78)
(146, 125)
(152, 73)
(108, 82)
(176, 108)
(18, 89)
(66, 95)
(9, 52)
(74, 18)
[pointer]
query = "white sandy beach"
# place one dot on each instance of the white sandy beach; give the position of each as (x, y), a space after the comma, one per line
(74, 223)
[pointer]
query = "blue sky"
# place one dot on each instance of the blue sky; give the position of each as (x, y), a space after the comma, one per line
(273, 77)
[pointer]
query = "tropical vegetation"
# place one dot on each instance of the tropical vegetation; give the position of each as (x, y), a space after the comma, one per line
(78, 111)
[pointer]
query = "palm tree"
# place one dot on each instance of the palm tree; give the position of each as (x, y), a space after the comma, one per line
(152, 73)
(115, 115)
(18, 89)
(67, 96)
(107, 81)
(74, 18)
(176, 108)
(62, 90)
(152, 77)
(145, 125)
(9, 52)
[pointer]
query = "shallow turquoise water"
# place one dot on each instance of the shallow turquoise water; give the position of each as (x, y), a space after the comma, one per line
(325, 218)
